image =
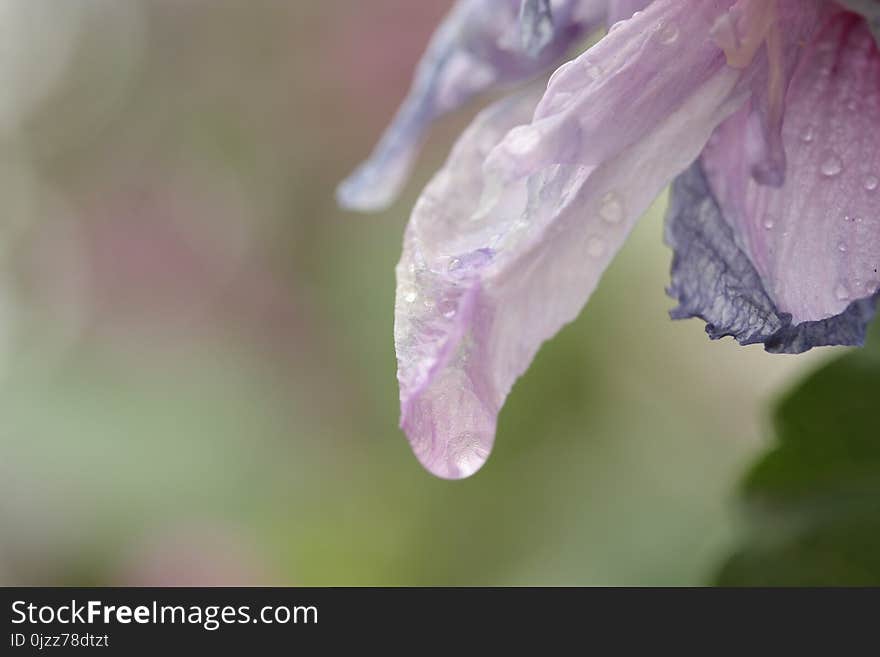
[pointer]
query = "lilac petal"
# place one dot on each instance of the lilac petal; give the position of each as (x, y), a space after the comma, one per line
(477, 47)
(502, 251)
(713, 279)
(815, 241)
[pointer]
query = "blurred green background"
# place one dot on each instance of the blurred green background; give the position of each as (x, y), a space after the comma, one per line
(197, 370)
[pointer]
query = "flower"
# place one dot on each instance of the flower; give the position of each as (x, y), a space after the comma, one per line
(761, 113)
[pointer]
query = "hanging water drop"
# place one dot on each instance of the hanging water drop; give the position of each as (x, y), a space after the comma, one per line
(466, 453)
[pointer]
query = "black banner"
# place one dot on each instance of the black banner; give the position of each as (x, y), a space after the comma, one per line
(128, 620)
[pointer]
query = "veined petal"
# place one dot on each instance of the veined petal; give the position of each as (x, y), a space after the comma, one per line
(815, 241)
(478, 46)
(498, 257)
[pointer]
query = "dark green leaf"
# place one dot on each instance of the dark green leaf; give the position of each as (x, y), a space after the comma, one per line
(813, 502)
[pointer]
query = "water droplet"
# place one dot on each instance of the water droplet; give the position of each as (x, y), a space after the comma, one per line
(841, 247)
(768, 223)
(410, 296)
(595, 247)
(668, 34)
(522, 140)
(611, 209)
(831, 165)
(461, 265)
(467, 452)
(852, 104)
(871, 182)
(448, 308)
(841, 292)
(808, 134)
(594, 71)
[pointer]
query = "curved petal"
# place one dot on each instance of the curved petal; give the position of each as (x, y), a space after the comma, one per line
(498, 257)
(815, 241)
(478, 46)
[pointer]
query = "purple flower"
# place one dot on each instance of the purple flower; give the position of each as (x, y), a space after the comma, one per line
(763, 115)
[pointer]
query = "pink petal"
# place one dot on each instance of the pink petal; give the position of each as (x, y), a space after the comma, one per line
(815, 241)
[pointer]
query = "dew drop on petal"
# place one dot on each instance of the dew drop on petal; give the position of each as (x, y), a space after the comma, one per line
(768, 223)
(871, 182)
(595, 247)
(468, 262)
(668, 34)
(831, 165)
(611, 209)
(448, 308)
(808, 134)
(594, 71)
(841, 247)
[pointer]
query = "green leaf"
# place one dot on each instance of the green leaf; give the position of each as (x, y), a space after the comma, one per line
(813, 501)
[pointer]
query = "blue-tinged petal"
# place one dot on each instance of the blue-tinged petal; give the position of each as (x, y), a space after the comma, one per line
(714, 279)
(711, 276)
(477, 47)
(536, 26)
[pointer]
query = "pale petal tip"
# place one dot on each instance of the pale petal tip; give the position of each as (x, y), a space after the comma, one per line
(361, 192)
(450, 432)
(453, 457)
